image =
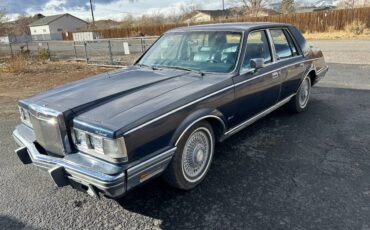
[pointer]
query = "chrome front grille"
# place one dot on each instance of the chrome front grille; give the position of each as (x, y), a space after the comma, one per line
(50, 130)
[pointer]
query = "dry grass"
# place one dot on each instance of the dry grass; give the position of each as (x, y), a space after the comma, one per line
(355, 27)
(335, 34)
(23, 77)
(17, 64)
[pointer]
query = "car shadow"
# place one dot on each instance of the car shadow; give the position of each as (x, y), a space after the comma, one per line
(260, 178)
(232, 182)
(9, 223)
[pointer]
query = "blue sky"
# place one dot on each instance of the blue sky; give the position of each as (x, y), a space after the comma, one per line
(104, 9)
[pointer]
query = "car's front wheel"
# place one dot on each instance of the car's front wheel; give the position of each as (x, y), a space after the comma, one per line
(299, 102)
(192, 158)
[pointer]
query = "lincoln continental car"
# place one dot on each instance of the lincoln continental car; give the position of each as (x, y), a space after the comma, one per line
(193, 87)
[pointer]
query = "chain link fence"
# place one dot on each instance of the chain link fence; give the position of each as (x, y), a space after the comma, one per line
(119, 51)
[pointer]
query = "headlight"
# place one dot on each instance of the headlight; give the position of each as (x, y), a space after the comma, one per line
(25, 116)
(106, 148)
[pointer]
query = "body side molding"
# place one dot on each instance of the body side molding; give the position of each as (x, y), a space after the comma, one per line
(251, 120)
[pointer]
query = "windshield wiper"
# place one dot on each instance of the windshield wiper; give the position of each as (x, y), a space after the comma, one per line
(143, 65)
(181, 68)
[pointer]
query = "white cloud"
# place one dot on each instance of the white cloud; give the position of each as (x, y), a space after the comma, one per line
(116, 10)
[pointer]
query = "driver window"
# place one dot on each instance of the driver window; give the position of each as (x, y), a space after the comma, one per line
(257, 47)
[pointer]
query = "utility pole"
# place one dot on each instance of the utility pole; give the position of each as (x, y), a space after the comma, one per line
(92, 12)
(223, 5)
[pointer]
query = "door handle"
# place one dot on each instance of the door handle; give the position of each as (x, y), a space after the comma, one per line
(275, 75)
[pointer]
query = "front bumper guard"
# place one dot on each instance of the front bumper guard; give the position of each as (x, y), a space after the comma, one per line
(86, 173)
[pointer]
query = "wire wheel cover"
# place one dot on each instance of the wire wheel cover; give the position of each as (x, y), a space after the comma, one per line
(196, 154)
(304, 93)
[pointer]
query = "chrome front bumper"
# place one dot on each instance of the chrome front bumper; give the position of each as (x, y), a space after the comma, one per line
(88, 173)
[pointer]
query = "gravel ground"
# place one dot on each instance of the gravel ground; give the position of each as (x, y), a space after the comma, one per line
(301, 171)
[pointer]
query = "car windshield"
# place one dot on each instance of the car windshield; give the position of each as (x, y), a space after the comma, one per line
(205, 51)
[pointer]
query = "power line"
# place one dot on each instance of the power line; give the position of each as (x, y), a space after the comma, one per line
(115, 10)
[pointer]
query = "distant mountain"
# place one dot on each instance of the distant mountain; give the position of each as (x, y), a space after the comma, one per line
(307, 3)
(325, 3)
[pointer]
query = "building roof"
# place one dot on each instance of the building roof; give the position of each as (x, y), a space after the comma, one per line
(216, 13)
(49, 19)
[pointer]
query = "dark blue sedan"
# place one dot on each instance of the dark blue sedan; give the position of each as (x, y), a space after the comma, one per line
(193, 87)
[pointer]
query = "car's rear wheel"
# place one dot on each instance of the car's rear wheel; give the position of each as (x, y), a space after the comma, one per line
(299, 102)
(192, 158)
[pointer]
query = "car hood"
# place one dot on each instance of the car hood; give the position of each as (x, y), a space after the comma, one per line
(84, 94)
(124, 98)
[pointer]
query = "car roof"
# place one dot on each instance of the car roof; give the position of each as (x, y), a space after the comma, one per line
(235, 26)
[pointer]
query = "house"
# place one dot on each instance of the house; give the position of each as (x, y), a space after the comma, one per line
(207, 15)
(199, 16)
(53, 27)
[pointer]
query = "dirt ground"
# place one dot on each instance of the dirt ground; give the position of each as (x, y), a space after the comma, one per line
(38, 76)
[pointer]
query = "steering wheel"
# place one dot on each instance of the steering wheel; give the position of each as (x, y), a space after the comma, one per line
(212, 61)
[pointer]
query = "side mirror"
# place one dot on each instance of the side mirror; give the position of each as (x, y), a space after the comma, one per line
(257, 63)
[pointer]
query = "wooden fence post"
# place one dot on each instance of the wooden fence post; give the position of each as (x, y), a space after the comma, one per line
(110, 52)
(11, 49)
(48, 49)
(87, 58)
(74, 47)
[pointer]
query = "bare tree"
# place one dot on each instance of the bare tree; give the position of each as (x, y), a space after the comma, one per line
(350, 4)
(21, 26)
(287, 7)
(187, 10)
(3, 19)
(252, 7)
(152, 18)
(127, 21)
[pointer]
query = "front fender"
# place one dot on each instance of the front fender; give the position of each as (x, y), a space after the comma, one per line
(193, 118)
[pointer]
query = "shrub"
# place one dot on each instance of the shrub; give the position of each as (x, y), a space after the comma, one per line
(356, 27)
(331, 29)
(42, 54)
(17, 64)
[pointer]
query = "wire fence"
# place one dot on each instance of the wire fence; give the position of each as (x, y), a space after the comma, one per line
(120, 51)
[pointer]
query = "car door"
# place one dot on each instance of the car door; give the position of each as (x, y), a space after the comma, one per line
(290, 58)
(255, 91)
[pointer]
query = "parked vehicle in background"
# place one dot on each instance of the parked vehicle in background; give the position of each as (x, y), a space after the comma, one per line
(162, 116)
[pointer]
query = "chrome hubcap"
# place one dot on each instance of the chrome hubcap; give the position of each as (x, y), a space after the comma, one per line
(196, 155)
(304, 93)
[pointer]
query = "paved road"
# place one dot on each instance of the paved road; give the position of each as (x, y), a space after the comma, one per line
(303, 171)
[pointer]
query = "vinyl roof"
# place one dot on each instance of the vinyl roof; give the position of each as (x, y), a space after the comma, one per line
(240, 26)
(48, 19)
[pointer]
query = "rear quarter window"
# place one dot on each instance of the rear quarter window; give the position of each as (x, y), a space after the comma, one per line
(282, 46)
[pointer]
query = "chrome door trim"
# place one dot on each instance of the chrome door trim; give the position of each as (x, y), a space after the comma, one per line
(210, 95)
(275, 70)
(178, 109)
(258, 116)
